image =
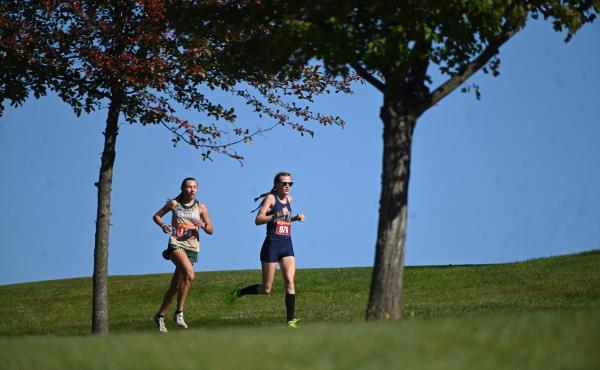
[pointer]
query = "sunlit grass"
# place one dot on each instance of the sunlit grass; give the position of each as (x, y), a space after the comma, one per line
(536, 314)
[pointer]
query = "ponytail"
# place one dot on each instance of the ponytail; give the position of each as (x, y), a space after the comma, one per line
(273, 191)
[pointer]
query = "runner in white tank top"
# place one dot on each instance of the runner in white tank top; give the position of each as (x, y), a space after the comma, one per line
(188, 216)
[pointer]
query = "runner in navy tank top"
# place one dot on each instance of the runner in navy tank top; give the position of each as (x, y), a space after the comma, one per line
(278, 241)
(276, 212)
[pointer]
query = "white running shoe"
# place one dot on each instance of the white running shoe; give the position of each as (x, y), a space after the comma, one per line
(160, 323)
(178, 318)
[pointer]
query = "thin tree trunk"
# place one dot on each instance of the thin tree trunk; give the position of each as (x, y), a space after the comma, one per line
(104, 184)
(385, 299)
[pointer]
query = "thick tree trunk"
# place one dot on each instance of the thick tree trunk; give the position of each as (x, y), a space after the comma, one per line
(104, 184)
(385, 299)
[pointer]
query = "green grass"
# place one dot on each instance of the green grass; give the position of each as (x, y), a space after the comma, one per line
(542, 313)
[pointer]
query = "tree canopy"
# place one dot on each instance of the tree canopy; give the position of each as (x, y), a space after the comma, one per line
(383, 40)
(127, 56)
(89, 52)
(394, 46)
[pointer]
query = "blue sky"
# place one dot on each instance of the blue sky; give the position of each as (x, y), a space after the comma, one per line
(511, 177)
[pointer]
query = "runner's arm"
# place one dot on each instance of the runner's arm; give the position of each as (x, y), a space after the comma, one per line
(265, 207)
(207, 224)
(166, 228)
(299, 216)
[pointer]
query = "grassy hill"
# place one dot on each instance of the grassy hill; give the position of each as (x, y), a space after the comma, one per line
(543, 313)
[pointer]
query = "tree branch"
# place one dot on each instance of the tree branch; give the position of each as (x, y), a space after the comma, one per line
(419, 50)
(215, 146)
(470, 69)
(369, 77)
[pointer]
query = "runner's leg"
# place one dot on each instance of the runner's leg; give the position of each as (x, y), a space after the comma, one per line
(186, 275)
(268, 275)
(288, 270)
(168, 298)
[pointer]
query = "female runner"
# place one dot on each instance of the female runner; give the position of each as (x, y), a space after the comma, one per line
(276, 212)
(188, 215)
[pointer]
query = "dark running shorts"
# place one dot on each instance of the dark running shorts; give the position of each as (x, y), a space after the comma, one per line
(192, 255)
(274, 250)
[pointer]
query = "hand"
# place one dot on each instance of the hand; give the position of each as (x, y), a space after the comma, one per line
(281, 214)
(166, 228)
(200, 224)
(298, 217)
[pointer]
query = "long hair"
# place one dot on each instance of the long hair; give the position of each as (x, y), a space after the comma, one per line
(179, 197)
(274, 189)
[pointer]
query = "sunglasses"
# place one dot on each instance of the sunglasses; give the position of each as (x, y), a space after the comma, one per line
(287, 183)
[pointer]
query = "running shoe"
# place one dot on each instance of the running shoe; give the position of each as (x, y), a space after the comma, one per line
(160, 324)
(178, 318)
(293, 324)
(232, 295)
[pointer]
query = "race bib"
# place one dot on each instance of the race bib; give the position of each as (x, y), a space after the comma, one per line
(185, 231)
(283, 228)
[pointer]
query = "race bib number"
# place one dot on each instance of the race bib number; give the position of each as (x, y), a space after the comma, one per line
(283, 228)
(185, 231)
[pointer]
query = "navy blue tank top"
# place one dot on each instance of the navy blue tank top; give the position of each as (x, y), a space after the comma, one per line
(276, 208)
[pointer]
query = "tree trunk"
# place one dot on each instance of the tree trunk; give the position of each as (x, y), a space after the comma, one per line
(385, 299)
(104, 184)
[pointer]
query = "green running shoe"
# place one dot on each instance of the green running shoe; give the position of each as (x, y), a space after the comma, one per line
(293, 324)
(232, 295)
